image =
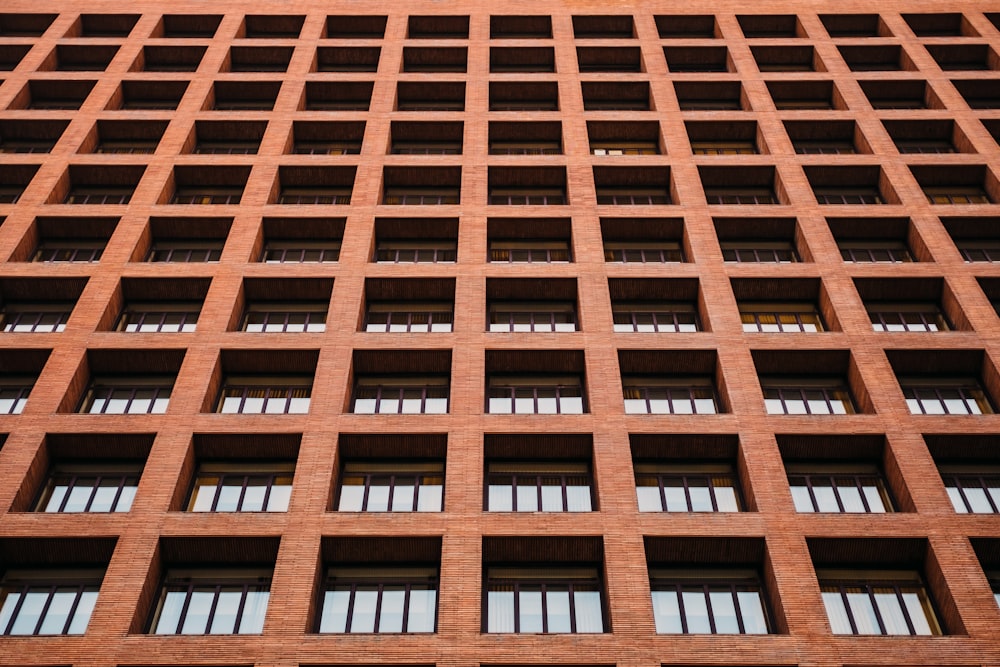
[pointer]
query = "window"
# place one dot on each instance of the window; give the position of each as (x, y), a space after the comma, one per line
(724, 147)
(285, 317)
(127, 396)
(429, 251)
(544, 599)
(400, 196)
(532, 316)
(880, 602)
(397, 486)
(400, 395)
(212, 602)
(68, 250)
(806, 396)
(265, 395)
(740, 196)
(841, 488)
(707, 487)
(875, 251)
(242, 487)
(764, 251)
(159, 317)
(411, 316)
(185, 250)
(973, 489)
(379, 600)
(200, 196)
(632, 196)
(535, 395)
(907, 316)
(14, 394)
(626, 252)
(675, 396)
(956, 195)
(945, 396)
(34, 317)
(979, 251)
(83, 487)
(527, 196)
(655, 317)
(848, 196)
(294, 251)
(718, 602)
(46, 602)
(529, 251)
(514, 486)
(98, 195)
(780, 317)
(624, 148)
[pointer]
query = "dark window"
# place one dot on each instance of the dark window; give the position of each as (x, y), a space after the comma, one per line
(515, 486)
(265, 395)
(159, 317)
(99, 195)
(875, 251)
(644, 316)
(708, 487)
(400, 395)
(718, 602)
(127, 396)
(945, 396)
(525, 196)
(293, 251)
(83, 487)
(379, 600)
(807, 396)
(632, 196)
(724, 148)
(513, 316)
(197, 195)
(47, 603)
(375, 486)
(401, 196)
(849, 196)
(14, 394)
(535, 395)
(430, 251)
(675, 396)
(628, 252)
(285, 317)
(544, 599)
(909, 316)
(212, 602)
(740, 196)
(877, 603)
(979, 251)
(973, 489)
(20, 317)
(529, 251)
(326, 196)
(951, 194)
(780, 317)
(242, 487)
(764, 251)
(68, 250)
(842, 488)
(409, 316)
(180, 250)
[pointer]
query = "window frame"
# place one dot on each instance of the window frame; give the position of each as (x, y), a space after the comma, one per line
(443, 251)
(868, 580)
(13, 313)
(542, 576)
(962, 384)
(897, 252)
(288, 386)
(649, 251)
(303, 247)
(380, 577)
(692, 388)
(829, 387)
(565, 471)
(314, 315)
(246, 578)
(371, 470)
(235, 470)
(160, 386)
(669, 312)
(539, 314)
(129, 475)
(187, 311)
(15, 390)
(662, 580)
(864, 475)
(535, 383)
(87, 583)
(407, 310)
(803, 314)
(763, 251)
(46, 247)
(708, 473)
(524, 251)
(400, 384)
(930, 317)
(956, 480)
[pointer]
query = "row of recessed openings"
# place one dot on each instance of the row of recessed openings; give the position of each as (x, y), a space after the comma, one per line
(642, 241)
(820, 382)
(663, 305)
(785, 58)
(607, 138)
(208, 184)
(406, 473)
(689, 26)
(700, 95)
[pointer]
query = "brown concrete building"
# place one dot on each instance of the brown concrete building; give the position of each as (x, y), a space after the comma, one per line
(468, 333)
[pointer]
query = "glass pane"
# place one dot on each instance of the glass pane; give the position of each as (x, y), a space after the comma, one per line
(850, 496)
(127, 496)
(724, 612)
(752, 610)
(277, 501)
(9, 600)
(54, 501)
(530, 601)
(352, 494)
(725, 498)
(648, 491)
(673, 490)
(378, 495)
(335, 606)
(696, 610)
(58, 611)
(701, 499)
(918, 606)
(862, 611)
(557, 608)
(666, 612)
(578, 496)
(30, 612)
(196, 620)
(826, 499)
(977, 499)
(391, 612)
(402, 495)
(527, 495)
(956, 500)
(802, 499)
(226, 608)
(500, 610)
(890, 610)
(587, 606)
(431, 495)
(170, 612)
(423, 609)
(229, 497)
(80, 495)
(253, 497)
(840, 623)
(254, 610)
(501, 498)
(552, 500)
(84, 608)
(365, 601)
(104, 499)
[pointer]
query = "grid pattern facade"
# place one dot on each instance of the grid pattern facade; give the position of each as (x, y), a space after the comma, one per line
(216, 202)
